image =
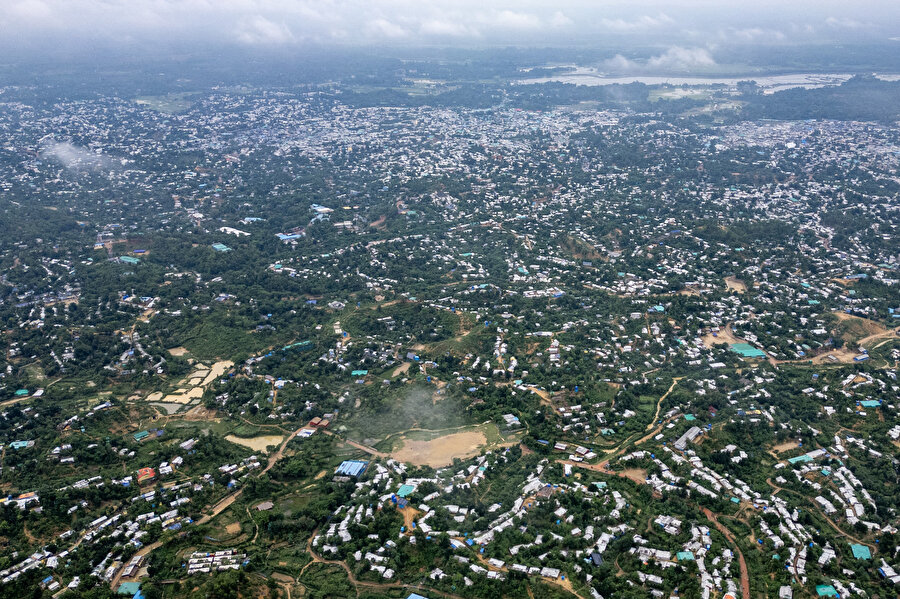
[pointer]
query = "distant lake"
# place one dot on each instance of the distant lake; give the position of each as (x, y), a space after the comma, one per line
(769, 83)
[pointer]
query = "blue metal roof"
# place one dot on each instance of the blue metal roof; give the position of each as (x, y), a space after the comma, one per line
(352, 467)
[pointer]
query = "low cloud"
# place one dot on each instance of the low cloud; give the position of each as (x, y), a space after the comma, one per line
(447, 28)
(559, 19)
(259, 30)
(47, 24)
(509, 19)
(642, 23)
(753, 34)
(76, 158)
(675, 58)
(844, 23)
(382, 28)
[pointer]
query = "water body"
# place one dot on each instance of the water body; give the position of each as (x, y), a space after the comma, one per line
(769, 83)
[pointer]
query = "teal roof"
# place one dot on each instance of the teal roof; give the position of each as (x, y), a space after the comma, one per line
(405, 490)
(685, 556)
(747, 350)
(359, 373)
(860, 551)
(21, 392)
(826, 590)
(129, 588)
(870, 403)
(690, 417)
(800, 458)
(298, 344)
(129, 260)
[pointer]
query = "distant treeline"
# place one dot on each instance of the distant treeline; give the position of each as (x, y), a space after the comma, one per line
(862, 98)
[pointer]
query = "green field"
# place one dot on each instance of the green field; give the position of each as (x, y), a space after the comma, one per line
(175, 103)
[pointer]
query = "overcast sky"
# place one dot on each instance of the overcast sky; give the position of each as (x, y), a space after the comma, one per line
(690, 24)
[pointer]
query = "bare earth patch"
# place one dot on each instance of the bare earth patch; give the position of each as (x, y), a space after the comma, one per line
(217, 370)
(233, 528)
(256, 443)
(786, 446)
(402, 369)
(200, 413)
(441, 451)
(636, 474)
(178, 351)
(723, 335)
(170, 408)
(409, 516)
(736, 285)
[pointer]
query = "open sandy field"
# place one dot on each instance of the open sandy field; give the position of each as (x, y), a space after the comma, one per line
(636, 474)
(402, 369)
(441, 451)
(193, 385)
(736, 285)
(256, 443)
(170, 408)
(217, 370)
(184, 396)
(178, 351)
(786, 446)
(724, 335)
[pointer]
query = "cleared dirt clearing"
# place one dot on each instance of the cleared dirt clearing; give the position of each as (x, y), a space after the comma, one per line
(256, 443)
(441, 451)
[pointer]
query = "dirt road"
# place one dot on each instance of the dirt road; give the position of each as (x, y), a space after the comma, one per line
(661, 399)
(317, 559)
(745, 573)
(359, 446)
(219, 507)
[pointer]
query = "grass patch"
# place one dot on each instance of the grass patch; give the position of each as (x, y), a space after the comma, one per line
(174, 103)
(411, 407)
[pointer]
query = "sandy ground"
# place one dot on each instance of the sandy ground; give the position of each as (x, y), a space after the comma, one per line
(200, 413)
(724, 336)
(178, 351)
(636, 474)
(689, 291)
(735, 284)
(195, 383)
(217, 370)
(402, 369)
(786, 446)
(441, 451)
(409, 515)
(170, 408)
(184, 396)
(233, 528)
(256, 443)
(873, 334)
(155, 396)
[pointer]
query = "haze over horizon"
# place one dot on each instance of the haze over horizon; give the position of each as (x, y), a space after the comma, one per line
(687, 35)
